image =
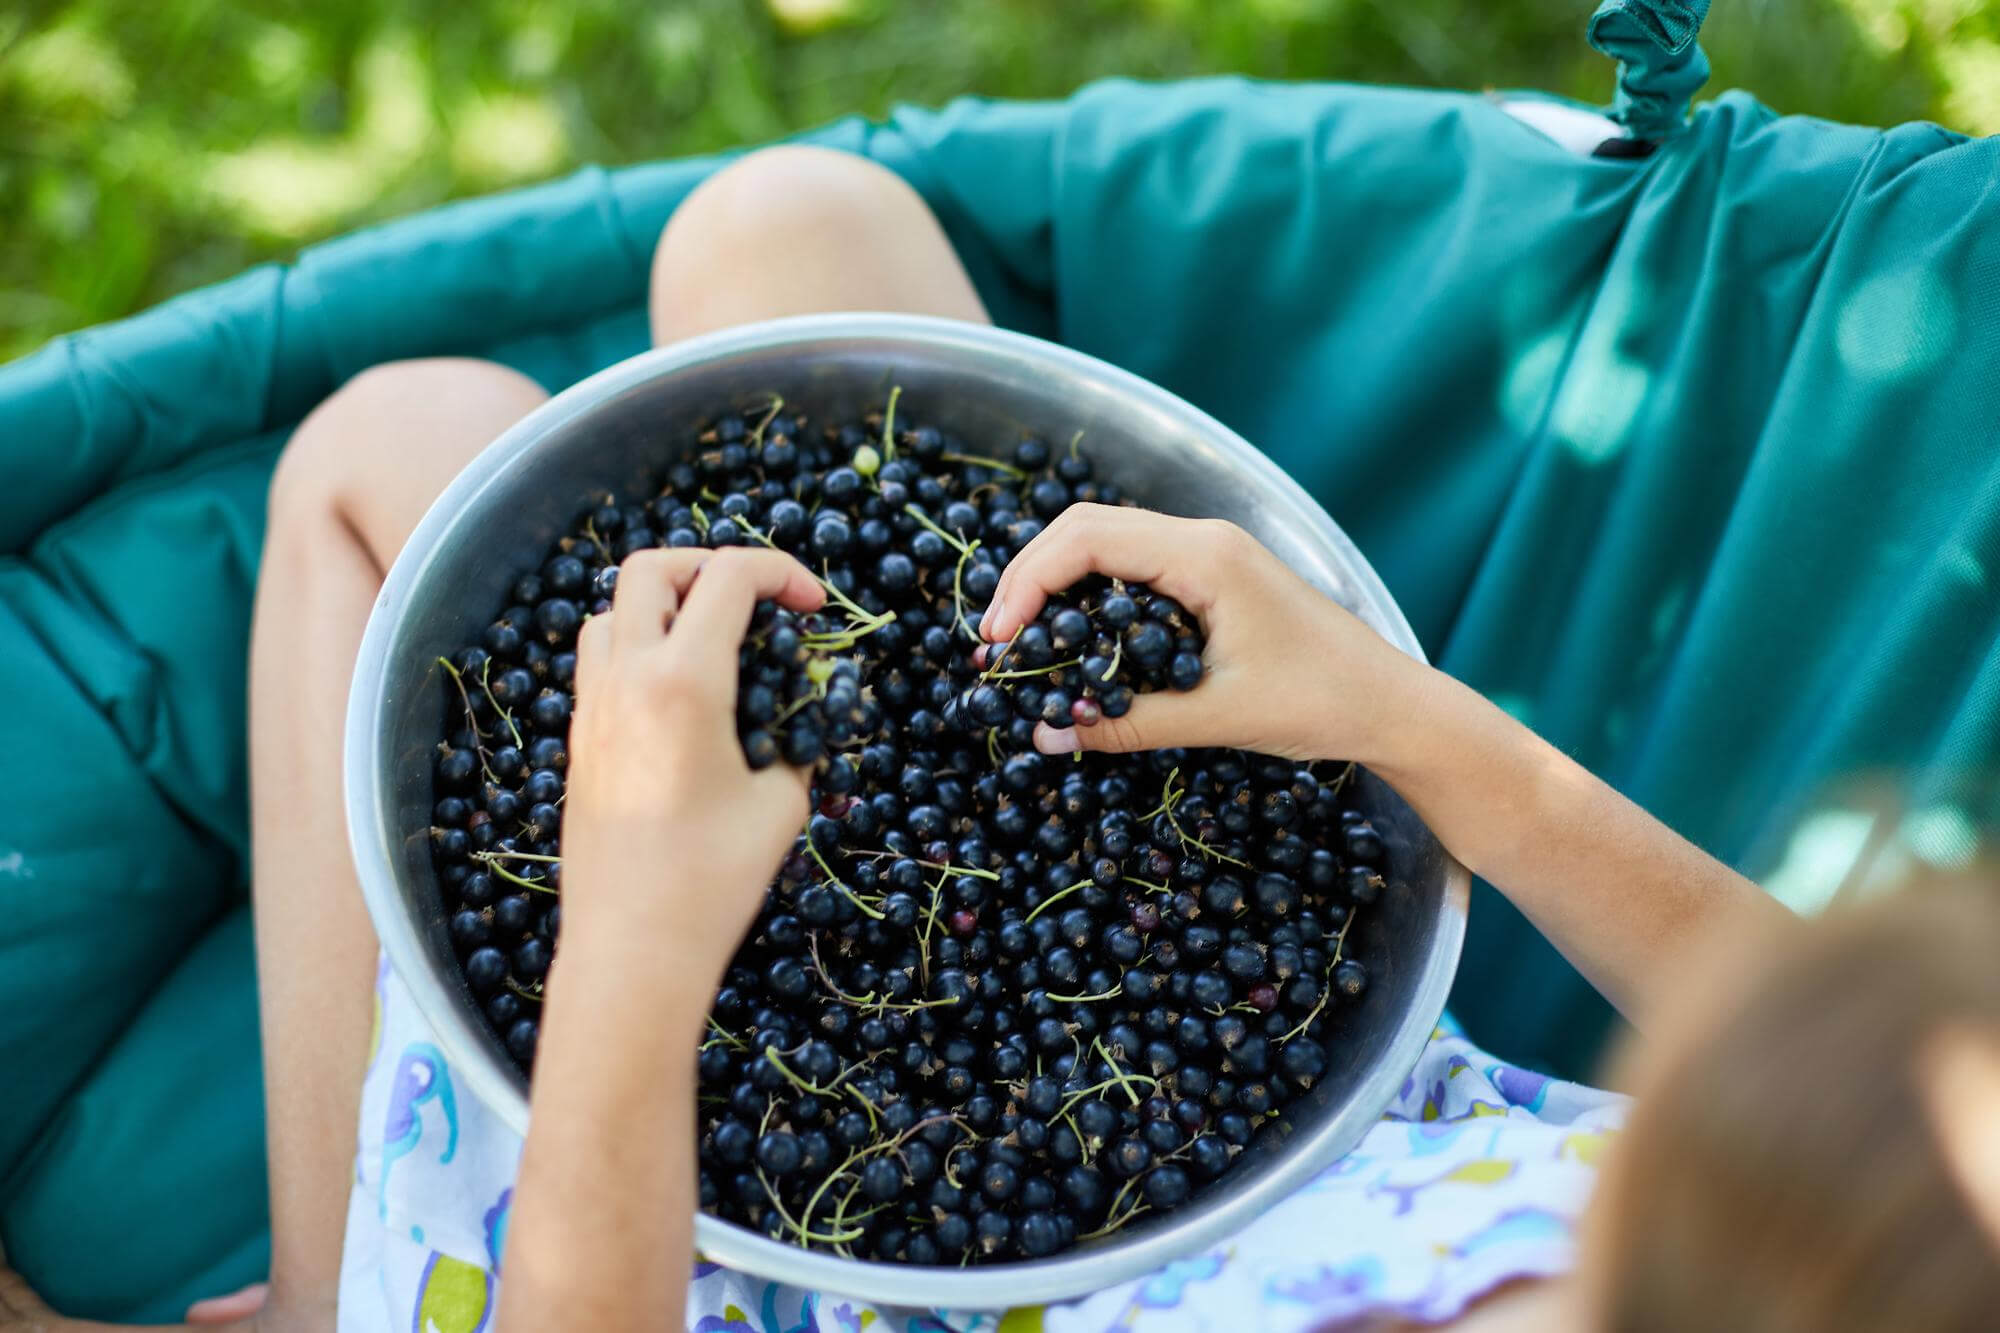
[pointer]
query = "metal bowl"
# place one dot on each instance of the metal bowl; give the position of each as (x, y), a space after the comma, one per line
(613, 432)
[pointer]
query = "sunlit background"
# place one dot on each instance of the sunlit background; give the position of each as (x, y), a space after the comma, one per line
(146, 148)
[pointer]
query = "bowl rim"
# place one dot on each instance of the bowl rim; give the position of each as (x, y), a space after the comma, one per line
(374, 844)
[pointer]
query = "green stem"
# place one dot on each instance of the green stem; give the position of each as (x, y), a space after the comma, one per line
(1116, 1221)
(834, 882)
(471, 718)
(505, 716)
(1016, 473)
(1052, 899)
(930, 922)
(1113, 993)
(1123, 1079)
(957, 542)
(1037, 671)
(1326, 987)
(513, 878)
(889, 425)
(802, 1084)
(777, 406)
(995, 659)
(958, 593)
(1096, 1088)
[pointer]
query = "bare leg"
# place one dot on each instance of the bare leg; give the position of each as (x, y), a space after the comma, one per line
(794, 231)
(359, 473)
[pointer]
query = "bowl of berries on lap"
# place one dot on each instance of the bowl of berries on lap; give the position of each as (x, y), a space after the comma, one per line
(1009, 1027)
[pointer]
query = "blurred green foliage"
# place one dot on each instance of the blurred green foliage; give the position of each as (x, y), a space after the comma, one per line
(149, 147)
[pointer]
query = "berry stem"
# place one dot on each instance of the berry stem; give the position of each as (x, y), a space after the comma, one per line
(1111, 994)
(930, 922)
(1114, 1222)
(958, 593)
(799, 1230)
(945, 866)
(889, 424)
(1096, 1088)
(1326, 989)
(803, 1084)
(975, 460)
(994, 659)
(471, 718)
(777, 406)
(1123, 1079)
(1053, 898)
(1170, 796)
(512, 878)
(835, 883)
(505, 716)
(1025, 673)
(957, 542)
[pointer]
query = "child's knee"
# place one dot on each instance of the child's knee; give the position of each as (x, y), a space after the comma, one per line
(835, 199)
(798, 230)
(394, 429)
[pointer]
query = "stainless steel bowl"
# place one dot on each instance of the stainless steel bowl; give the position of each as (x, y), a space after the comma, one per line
(611, 432)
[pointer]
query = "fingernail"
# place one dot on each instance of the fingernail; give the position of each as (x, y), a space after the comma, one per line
(1056, 740)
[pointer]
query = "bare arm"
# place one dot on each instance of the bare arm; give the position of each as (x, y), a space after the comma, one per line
(1618, 892)
(1290, 673)
(669, 844)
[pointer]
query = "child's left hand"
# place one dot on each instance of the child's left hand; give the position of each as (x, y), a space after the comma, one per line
(670, 838)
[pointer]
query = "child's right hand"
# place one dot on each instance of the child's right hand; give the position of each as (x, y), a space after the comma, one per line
(1289, 671)
(670, 838)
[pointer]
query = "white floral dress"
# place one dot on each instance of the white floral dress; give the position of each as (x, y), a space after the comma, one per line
(1473, 1177)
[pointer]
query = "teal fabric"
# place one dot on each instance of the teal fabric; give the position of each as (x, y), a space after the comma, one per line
(1659, 65)
(1689, 461)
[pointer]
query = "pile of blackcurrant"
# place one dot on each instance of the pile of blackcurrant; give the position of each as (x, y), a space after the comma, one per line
(996, 1002)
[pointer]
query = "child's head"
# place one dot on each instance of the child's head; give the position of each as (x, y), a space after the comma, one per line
(1817, 1146)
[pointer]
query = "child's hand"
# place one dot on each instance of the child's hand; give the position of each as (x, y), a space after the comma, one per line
(1289, 672)
(669, 838)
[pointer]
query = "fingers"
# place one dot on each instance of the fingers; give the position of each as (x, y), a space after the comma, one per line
(717, 610)
(593, 650)
(653, 585)
(785, 790)
(650, 586)
(1132, 544)
(227, 1309)
(1156, 721)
